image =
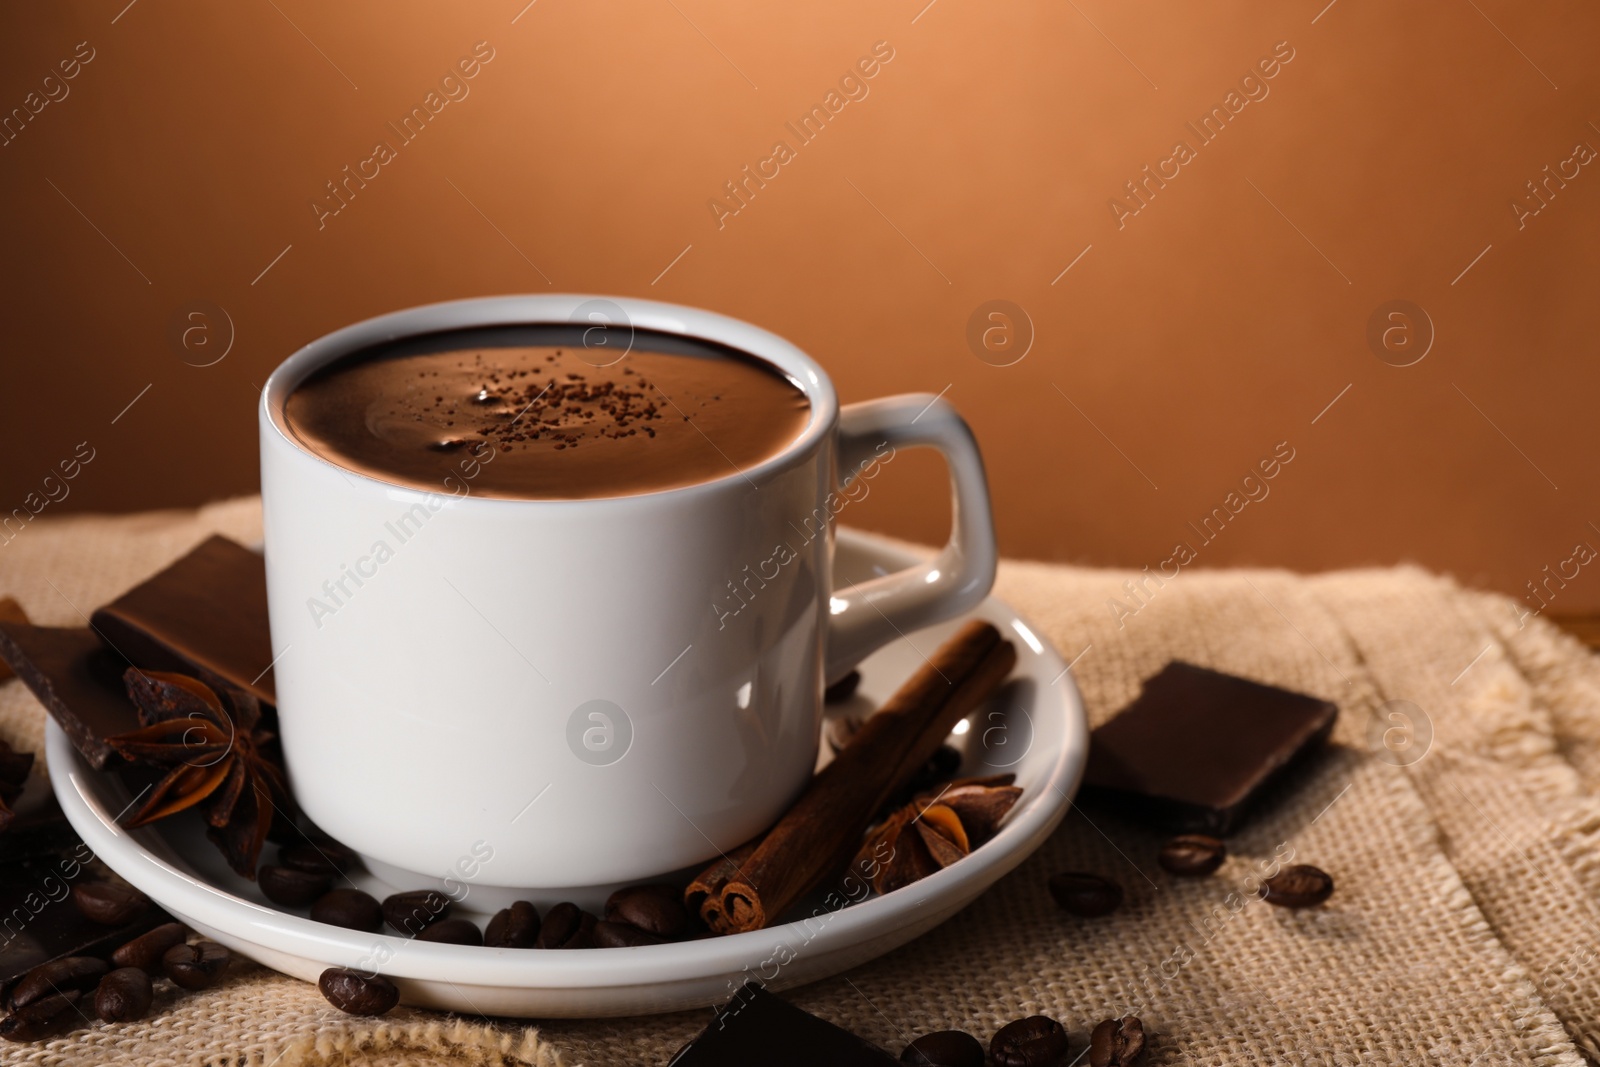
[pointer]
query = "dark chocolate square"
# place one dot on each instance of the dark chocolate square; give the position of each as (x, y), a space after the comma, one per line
(1197, 748)
(77, 679)
(757, 1029)
(39, 922)
(38, 825)
(205, 615)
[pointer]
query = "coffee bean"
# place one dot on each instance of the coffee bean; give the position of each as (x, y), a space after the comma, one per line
(355, 993)
(350, 908)
(608, 934)
(290, 887)
(946, 1048)
(566, 926)
(414, 911)
(123, 995)
(560, 923)
(1192, 855)
(108, 903)
(45, 1017)
(655, 909)
(1299, 886)
(324, 857)
(940, 768)
(196, 966)
(81, 973)
(1088, 895)
(453, 932)
(840, 730)
(1037, 1041)
(513, 927)
(146, 950)
(843, 689)
(1117, 1042)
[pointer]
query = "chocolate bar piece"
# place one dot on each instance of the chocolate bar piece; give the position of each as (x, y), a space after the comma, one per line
(78, 680)
(205, 615)
(39, 922)
(757, 1029)
(16, 770)
(10, 611)
(37, 824)
(1197, 748)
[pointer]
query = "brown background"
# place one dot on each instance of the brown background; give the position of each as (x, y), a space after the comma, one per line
(1172, 356)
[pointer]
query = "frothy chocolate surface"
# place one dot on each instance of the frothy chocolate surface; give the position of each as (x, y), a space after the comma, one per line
(526, 413)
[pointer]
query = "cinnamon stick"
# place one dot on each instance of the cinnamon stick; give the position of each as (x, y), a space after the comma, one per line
(704, 894)
(824, 828)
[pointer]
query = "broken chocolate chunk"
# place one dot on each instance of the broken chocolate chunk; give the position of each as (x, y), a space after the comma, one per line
(205, 615)
(1197, 748)
(37, 825)
(756, 1027)
(77, 679)
(36, 903)
(15, 769)
(10, 611)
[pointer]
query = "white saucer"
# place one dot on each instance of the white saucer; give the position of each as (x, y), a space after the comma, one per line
(1035, 728)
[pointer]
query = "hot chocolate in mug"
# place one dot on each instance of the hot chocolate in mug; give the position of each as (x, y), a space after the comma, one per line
(480, 691)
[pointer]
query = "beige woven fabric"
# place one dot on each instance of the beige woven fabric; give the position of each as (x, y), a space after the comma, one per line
(1465, 928)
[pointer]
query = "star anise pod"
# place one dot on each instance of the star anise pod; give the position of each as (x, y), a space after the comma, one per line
(934, 831)
(215, 757)
(981, 804)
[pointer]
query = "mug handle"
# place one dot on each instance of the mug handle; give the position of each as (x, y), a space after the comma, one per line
(870, 614)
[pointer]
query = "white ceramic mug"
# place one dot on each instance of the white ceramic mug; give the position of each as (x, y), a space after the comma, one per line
(542, 694)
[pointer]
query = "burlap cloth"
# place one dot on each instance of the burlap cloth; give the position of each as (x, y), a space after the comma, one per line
(1464, 929)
